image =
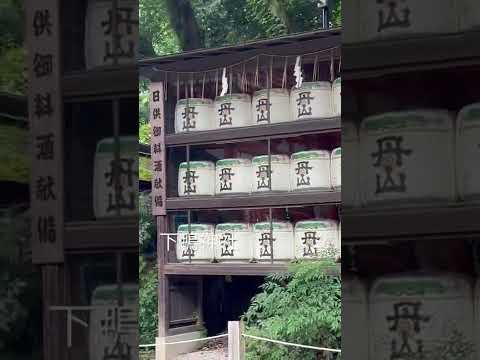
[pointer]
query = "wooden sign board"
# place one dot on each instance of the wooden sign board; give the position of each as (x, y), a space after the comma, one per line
(157, 123)
(45, 122)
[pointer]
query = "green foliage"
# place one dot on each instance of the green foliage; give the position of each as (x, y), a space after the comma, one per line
(227, 22)
(155, 27)
(144, 169)
(12, 54)
(13, 154)
(147, 317)
(146, 222)
(302, 306)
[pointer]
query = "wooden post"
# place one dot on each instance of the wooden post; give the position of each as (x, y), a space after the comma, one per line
(160, 348)
(236, 343)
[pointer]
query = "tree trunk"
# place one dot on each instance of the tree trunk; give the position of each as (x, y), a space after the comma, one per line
(279, 9)
(185, 24)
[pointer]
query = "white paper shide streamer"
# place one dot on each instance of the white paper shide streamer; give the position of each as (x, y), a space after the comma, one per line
(224, 82)
(298, 72)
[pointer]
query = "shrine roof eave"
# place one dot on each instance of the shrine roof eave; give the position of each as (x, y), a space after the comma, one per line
(208, 59)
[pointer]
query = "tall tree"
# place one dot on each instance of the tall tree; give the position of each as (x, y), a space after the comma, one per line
(184, 22)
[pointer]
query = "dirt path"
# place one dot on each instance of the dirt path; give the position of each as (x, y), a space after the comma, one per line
(220, 354)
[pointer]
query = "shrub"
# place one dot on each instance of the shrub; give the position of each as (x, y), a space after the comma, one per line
(302, 306)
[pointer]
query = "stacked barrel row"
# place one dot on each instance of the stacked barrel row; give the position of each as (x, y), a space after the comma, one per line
(312, 100)
(415, 316)
(304, 170)
(260, 242)
(380, 19)
(419, 156)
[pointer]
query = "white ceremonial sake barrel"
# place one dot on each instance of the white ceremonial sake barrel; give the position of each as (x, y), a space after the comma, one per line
(337, 97)
(350, 142)
(194, 115)
(355, 320)
(276, 178)
(421, 317)
(195, 244)
(469, 14)
(407, 156)
(100, 49)
(280, 234)
(196, 178)
(277, 110)
(312, 100)
(105, 201)
(383, 19)
(468, 152)
(336, 168)
(105, 323)
(310, 170)
(316, 239)
(233, 111)
(234, 242)
(233, 176)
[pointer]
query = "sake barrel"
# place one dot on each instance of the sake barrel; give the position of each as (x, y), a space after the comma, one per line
(105, 201)
(194, 115)
(233, 111)
(383, 19)
(337, 97)
(280, 234)
(355, 321)
(407, 156)
(105, 322)
(336, 168)
(350, 142)
(196, 178)
(274, 176)
(233, 242)
(316, 239)
(312, 100)
(310, 170)
(195, 244)
(469, 14)
(416, 315)
(468, 152)
(276, 109)
(100, 49)
(233, 176)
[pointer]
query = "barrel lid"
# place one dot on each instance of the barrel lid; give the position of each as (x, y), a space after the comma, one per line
(198, 165)
(195, 101)
(238, 96)
(315, 85)
(337, 152)
(469, 114)
(316, 224)
(311, 154)
(263, 159)
(416, 284)
(276, 225)
(233, 226)
(128, 144)
(196, 228)
(234, 161)
(276, 91)
(416, 119)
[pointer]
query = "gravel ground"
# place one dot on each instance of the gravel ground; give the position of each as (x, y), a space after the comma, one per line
(220, 354)
(214, 350)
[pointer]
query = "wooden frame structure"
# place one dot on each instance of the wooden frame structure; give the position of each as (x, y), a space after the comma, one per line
(203, 60)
